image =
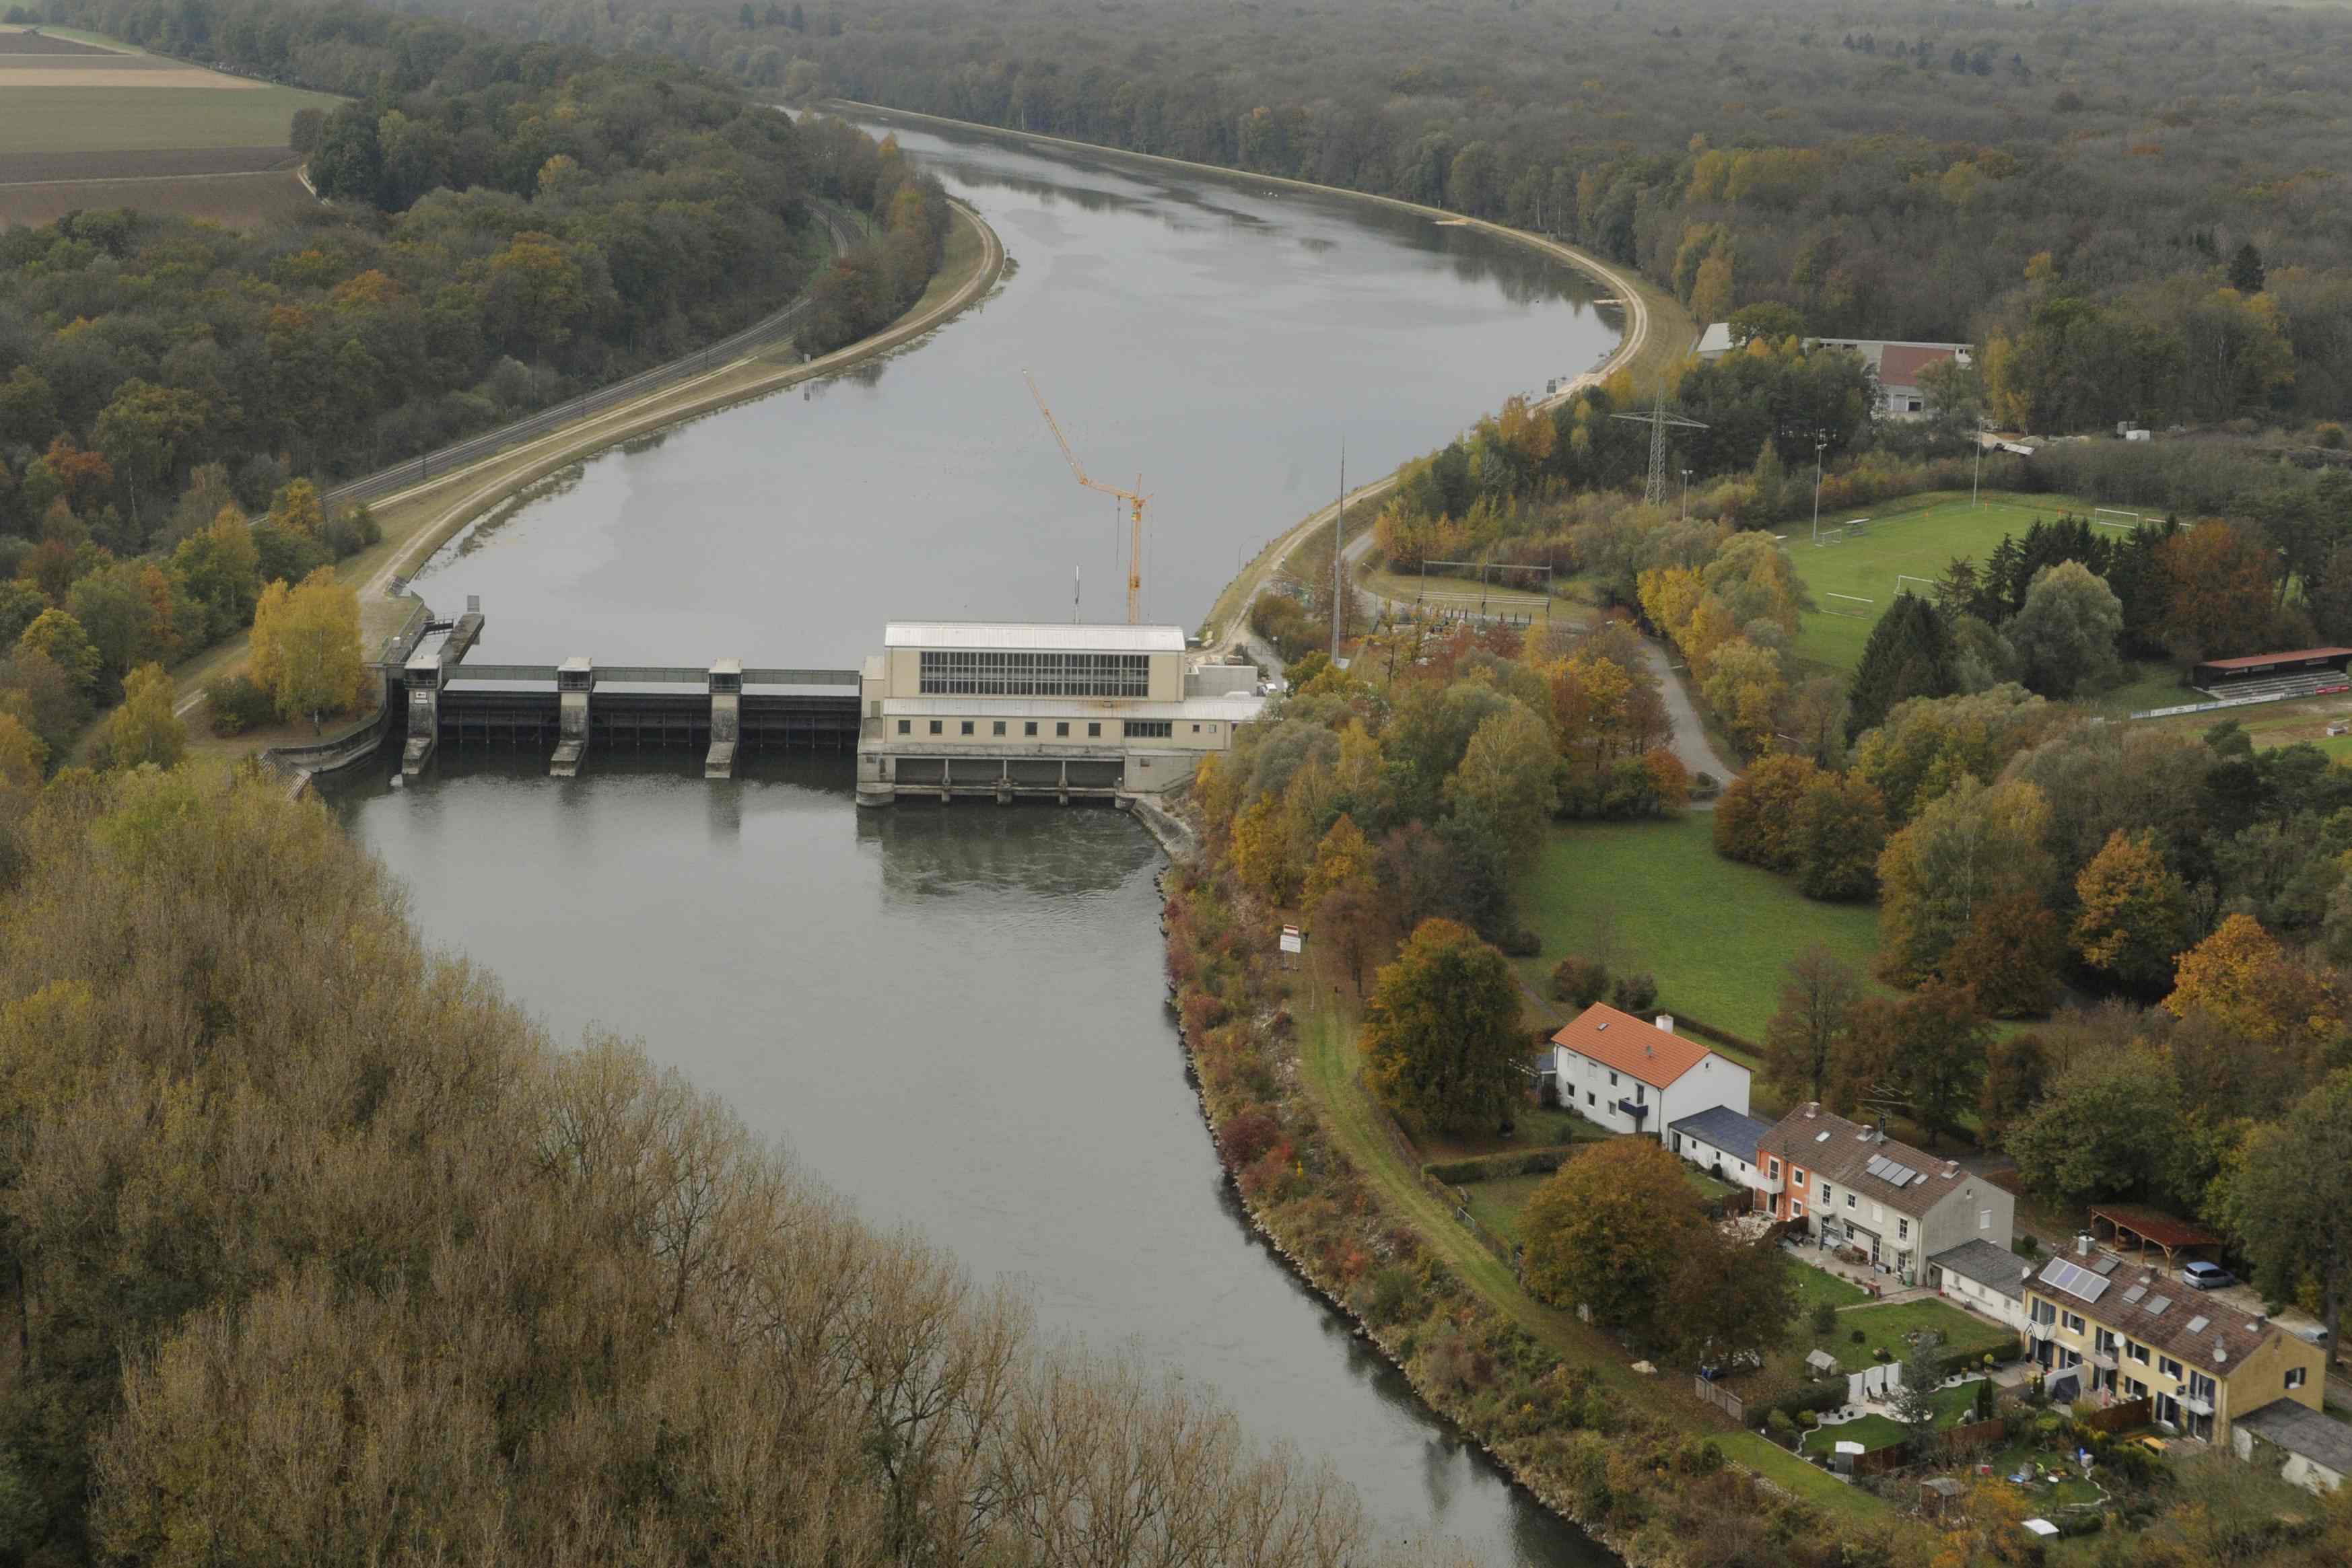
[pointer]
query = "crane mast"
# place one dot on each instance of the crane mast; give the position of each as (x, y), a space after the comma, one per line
(1134, 505)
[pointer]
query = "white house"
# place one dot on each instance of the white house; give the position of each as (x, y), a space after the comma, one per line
(1632, 1076)
(1720, 1140)
(1985, 1276)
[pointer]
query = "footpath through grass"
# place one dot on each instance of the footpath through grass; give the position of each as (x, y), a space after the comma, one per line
(1654, 895)
(1854, 578)
(1330, 1063)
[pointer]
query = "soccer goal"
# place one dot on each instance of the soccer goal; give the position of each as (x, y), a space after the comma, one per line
(1863, 613)
(1927, 582)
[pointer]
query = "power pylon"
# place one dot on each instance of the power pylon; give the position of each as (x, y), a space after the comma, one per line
(1658, 419)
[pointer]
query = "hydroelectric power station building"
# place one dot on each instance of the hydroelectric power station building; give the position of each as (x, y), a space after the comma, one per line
(999, 710)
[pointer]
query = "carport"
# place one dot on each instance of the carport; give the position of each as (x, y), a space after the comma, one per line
(2146, 1228)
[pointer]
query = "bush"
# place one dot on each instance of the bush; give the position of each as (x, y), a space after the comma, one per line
(2330, 434)
(1777, 1422)
(1860, 1337)
(2026, 1245)
(1391, 1291)
(238, 704)
(1824, 1318)
(1826, 1394)
(1580, 981)
(1520, 944)
(1636, 993)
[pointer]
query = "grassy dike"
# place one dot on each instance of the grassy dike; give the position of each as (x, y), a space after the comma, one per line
(421, 519)
(1634, 1459)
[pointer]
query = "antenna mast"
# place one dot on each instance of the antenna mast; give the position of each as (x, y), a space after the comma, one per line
(1340, 557)
(1133, 499)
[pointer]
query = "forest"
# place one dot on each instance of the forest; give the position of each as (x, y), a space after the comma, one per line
(320, 1251)
(513, 223)
(2139, 210)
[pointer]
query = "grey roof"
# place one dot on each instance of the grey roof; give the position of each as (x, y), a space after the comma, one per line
(1721, 1127)
(1032, 634)
(1993, 1266)
(2300, 1430)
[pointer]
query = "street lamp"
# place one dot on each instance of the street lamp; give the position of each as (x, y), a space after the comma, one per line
(1976, 482)
(1819, 447)
(1687, 495)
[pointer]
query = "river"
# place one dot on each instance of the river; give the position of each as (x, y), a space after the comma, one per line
(955, 1016)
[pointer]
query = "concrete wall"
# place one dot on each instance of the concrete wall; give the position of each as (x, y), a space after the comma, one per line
(2009, 1310)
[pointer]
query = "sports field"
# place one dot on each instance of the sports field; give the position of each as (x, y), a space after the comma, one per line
(1869, 554)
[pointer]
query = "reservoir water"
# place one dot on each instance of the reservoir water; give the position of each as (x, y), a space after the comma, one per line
(955, 1016)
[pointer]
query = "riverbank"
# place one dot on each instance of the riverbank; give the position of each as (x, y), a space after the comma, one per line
(419, 520)
(1634, 1459)
(1658, 331)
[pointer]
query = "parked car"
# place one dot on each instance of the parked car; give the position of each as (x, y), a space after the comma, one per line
(2206, 1276)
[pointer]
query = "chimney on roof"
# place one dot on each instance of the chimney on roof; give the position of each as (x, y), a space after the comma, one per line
(2221, 1351)
(1667, 1023)
(1812, 1108)
(1951, 1167)
(2082, 1244)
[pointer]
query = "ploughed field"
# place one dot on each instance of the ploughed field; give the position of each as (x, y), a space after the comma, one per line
(86, 123)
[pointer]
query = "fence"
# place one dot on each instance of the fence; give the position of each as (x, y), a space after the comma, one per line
(1723, 1399)
(2115, 1417)
(417, 470)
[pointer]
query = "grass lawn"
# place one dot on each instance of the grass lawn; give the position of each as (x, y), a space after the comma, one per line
(1954, 1407)
(1815, 1286)
(1496, 1203)
(1706, 1186)
(1887, 1327)
(1715, 933)
(1918, 535)
(1535, 1128)
(2012, 1459)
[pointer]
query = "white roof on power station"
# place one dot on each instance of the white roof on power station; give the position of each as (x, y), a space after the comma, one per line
(1033, 635)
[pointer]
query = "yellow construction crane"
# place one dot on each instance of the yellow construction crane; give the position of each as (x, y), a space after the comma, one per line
(1134, 504)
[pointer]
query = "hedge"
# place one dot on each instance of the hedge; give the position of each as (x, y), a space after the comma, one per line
(1494, 1167)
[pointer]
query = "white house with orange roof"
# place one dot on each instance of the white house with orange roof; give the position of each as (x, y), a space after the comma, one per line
(1631, 1075)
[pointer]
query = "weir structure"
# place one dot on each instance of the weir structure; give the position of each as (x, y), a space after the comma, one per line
(988, 709)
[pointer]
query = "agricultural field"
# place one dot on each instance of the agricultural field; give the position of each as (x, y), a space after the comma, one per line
(1869, 554)
(87, 123)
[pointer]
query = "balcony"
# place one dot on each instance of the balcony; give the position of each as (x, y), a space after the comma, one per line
(2104, 1359)
(2197, 1405)
(1632, 1109)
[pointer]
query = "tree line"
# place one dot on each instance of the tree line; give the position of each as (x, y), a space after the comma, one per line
(515, 222)
(2139, 211)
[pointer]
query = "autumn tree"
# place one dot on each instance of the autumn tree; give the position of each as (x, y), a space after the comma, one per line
(2110, 1126)
(2220, 585)
(1972, 848)
(1609, 1231)
(306, 647)
(2008, 955)
(2133, 913)
(143, 728)
(1803, 1042)
(1505, 780)
(2067, 633)
(1836, 834)
(23, 754)
(1441, 1040)
(1925, 1052)
(1733, 1299)
(2289, 1200)
(2241, 977)
(297, 509)
(1755, 818)
(57, 637)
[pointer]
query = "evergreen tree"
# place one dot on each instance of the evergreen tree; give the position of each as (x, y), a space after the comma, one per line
(2247, 274)
(1770, 481)
(1909, 654)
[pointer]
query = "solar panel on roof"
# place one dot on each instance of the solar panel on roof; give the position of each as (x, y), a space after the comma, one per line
(2105, 1264)
(2078, 1282)
(2198, 1322)
(1877, 1165)
(2134, 1294)
(2156, 1305)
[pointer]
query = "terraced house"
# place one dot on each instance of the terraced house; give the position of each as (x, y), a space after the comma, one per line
(2121, 1332)
(1852, 1185)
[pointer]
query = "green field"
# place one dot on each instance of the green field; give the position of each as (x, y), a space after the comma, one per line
(1918, 537)
(141, 119)
(1715, 932)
